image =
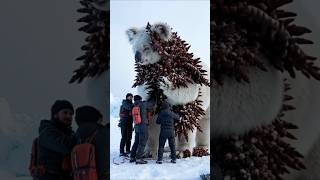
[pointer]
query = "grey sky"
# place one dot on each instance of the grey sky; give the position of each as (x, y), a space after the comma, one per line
(189, 18)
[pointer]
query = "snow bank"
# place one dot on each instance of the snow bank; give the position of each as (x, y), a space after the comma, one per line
(16, 134)
(114, 105)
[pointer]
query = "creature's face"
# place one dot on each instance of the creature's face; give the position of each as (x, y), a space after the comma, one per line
(141, 43)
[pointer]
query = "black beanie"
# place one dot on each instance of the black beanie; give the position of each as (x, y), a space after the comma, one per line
(87, 114)
(59, 105)
(129, 94)
(137, 98)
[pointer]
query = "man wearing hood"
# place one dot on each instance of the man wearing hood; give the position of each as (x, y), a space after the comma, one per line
(56, 140)
(125, 124)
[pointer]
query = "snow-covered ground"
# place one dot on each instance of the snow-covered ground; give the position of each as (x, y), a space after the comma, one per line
(186, 169)
(16, 134)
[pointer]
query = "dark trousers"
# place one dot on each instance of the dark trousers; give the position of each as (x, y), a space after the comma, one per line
(140, 141)
(162, 140)
(126, 135)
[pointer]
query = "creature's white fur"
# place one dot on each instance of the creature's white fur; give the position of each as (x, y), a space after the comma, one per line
(179, 96)
(97, 90)
(163, 29)
(139, 40)
(239, 107)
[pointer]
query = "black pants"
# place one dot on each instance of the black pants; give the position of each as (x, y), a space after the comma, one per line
(126, 135)
(162, 140)
(140, 141)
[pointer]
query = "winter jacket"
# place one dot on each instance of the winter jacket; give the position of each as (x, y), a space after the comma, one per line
(125, 110)
(55, 142)
(101, 143)
(166, 119)
(145, 107)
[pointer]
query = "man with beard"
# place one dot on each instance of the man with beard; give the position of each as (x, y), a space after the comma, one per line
(55, 142)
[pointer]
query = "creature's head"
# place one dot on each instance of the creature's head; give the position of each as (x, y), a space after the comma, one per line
(141, 42)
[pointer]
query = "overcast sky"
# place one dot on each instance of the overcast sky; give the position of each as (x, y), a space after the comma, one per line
(189, 18)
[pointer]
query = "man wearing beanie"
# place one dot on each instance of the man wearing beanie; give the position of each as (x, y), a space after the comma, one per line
(126, 124)
(89, 120)
(141, 131)
(55, 142)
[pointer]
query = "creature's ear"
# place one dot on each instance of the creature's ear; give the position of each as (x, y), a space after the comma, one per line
(131, 33)
(163, 30)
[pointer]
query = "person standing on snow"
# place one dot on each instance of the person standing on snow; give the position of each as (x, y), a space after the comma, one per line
(166, 119)
(141, 130)
(126, 125)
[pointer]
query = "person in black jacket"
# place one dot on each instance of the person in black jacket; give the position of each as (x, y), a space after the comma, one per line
(141, 131)
(90, 122)
(126, 125)
(56, 140)
(166, 119)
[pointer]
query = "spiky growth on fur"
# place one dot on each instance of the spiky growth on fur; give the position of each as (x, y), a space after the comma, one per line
(247, 29)
(243, 32)
(95, 59)
(199, 152)
(179, 66)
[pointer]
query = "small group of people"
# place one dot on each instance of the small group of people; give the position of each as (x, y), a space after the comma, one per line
(166, 119)
(56, 141)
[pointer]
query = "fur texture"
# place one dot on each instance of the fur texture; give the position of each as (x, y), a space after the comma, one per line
(239, 107)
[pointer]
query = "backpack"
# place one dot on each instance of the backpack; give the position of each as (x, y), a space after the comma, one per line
(136, 114)
(34, 169)
(83, 160)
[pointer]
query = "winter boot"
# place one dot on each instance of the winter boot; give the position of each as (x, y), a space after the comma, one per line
(128, 153)
(173, 161)
(141, 161)
(132, 160)
(159, 162)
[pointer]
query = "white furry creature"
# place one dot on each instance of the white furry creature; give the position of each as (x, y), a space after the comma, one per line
(144, 55)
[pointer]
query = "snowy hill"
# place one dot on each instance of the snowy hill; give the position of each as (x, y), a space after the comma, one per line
(186, 169)
(114, 105)
(16, 133)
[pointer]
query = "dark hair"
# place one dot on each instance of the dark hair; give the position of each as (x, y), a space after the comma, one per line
(59, 105)
(87, 114)
(129, 94)
(137, 98)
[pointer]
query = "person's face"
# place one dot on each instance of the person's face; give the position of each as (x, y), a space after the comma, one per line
(64, 116)
(130, 98)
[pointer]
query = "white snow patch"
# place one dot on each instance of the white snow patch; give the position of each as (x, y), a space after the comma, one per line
(16, 134)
